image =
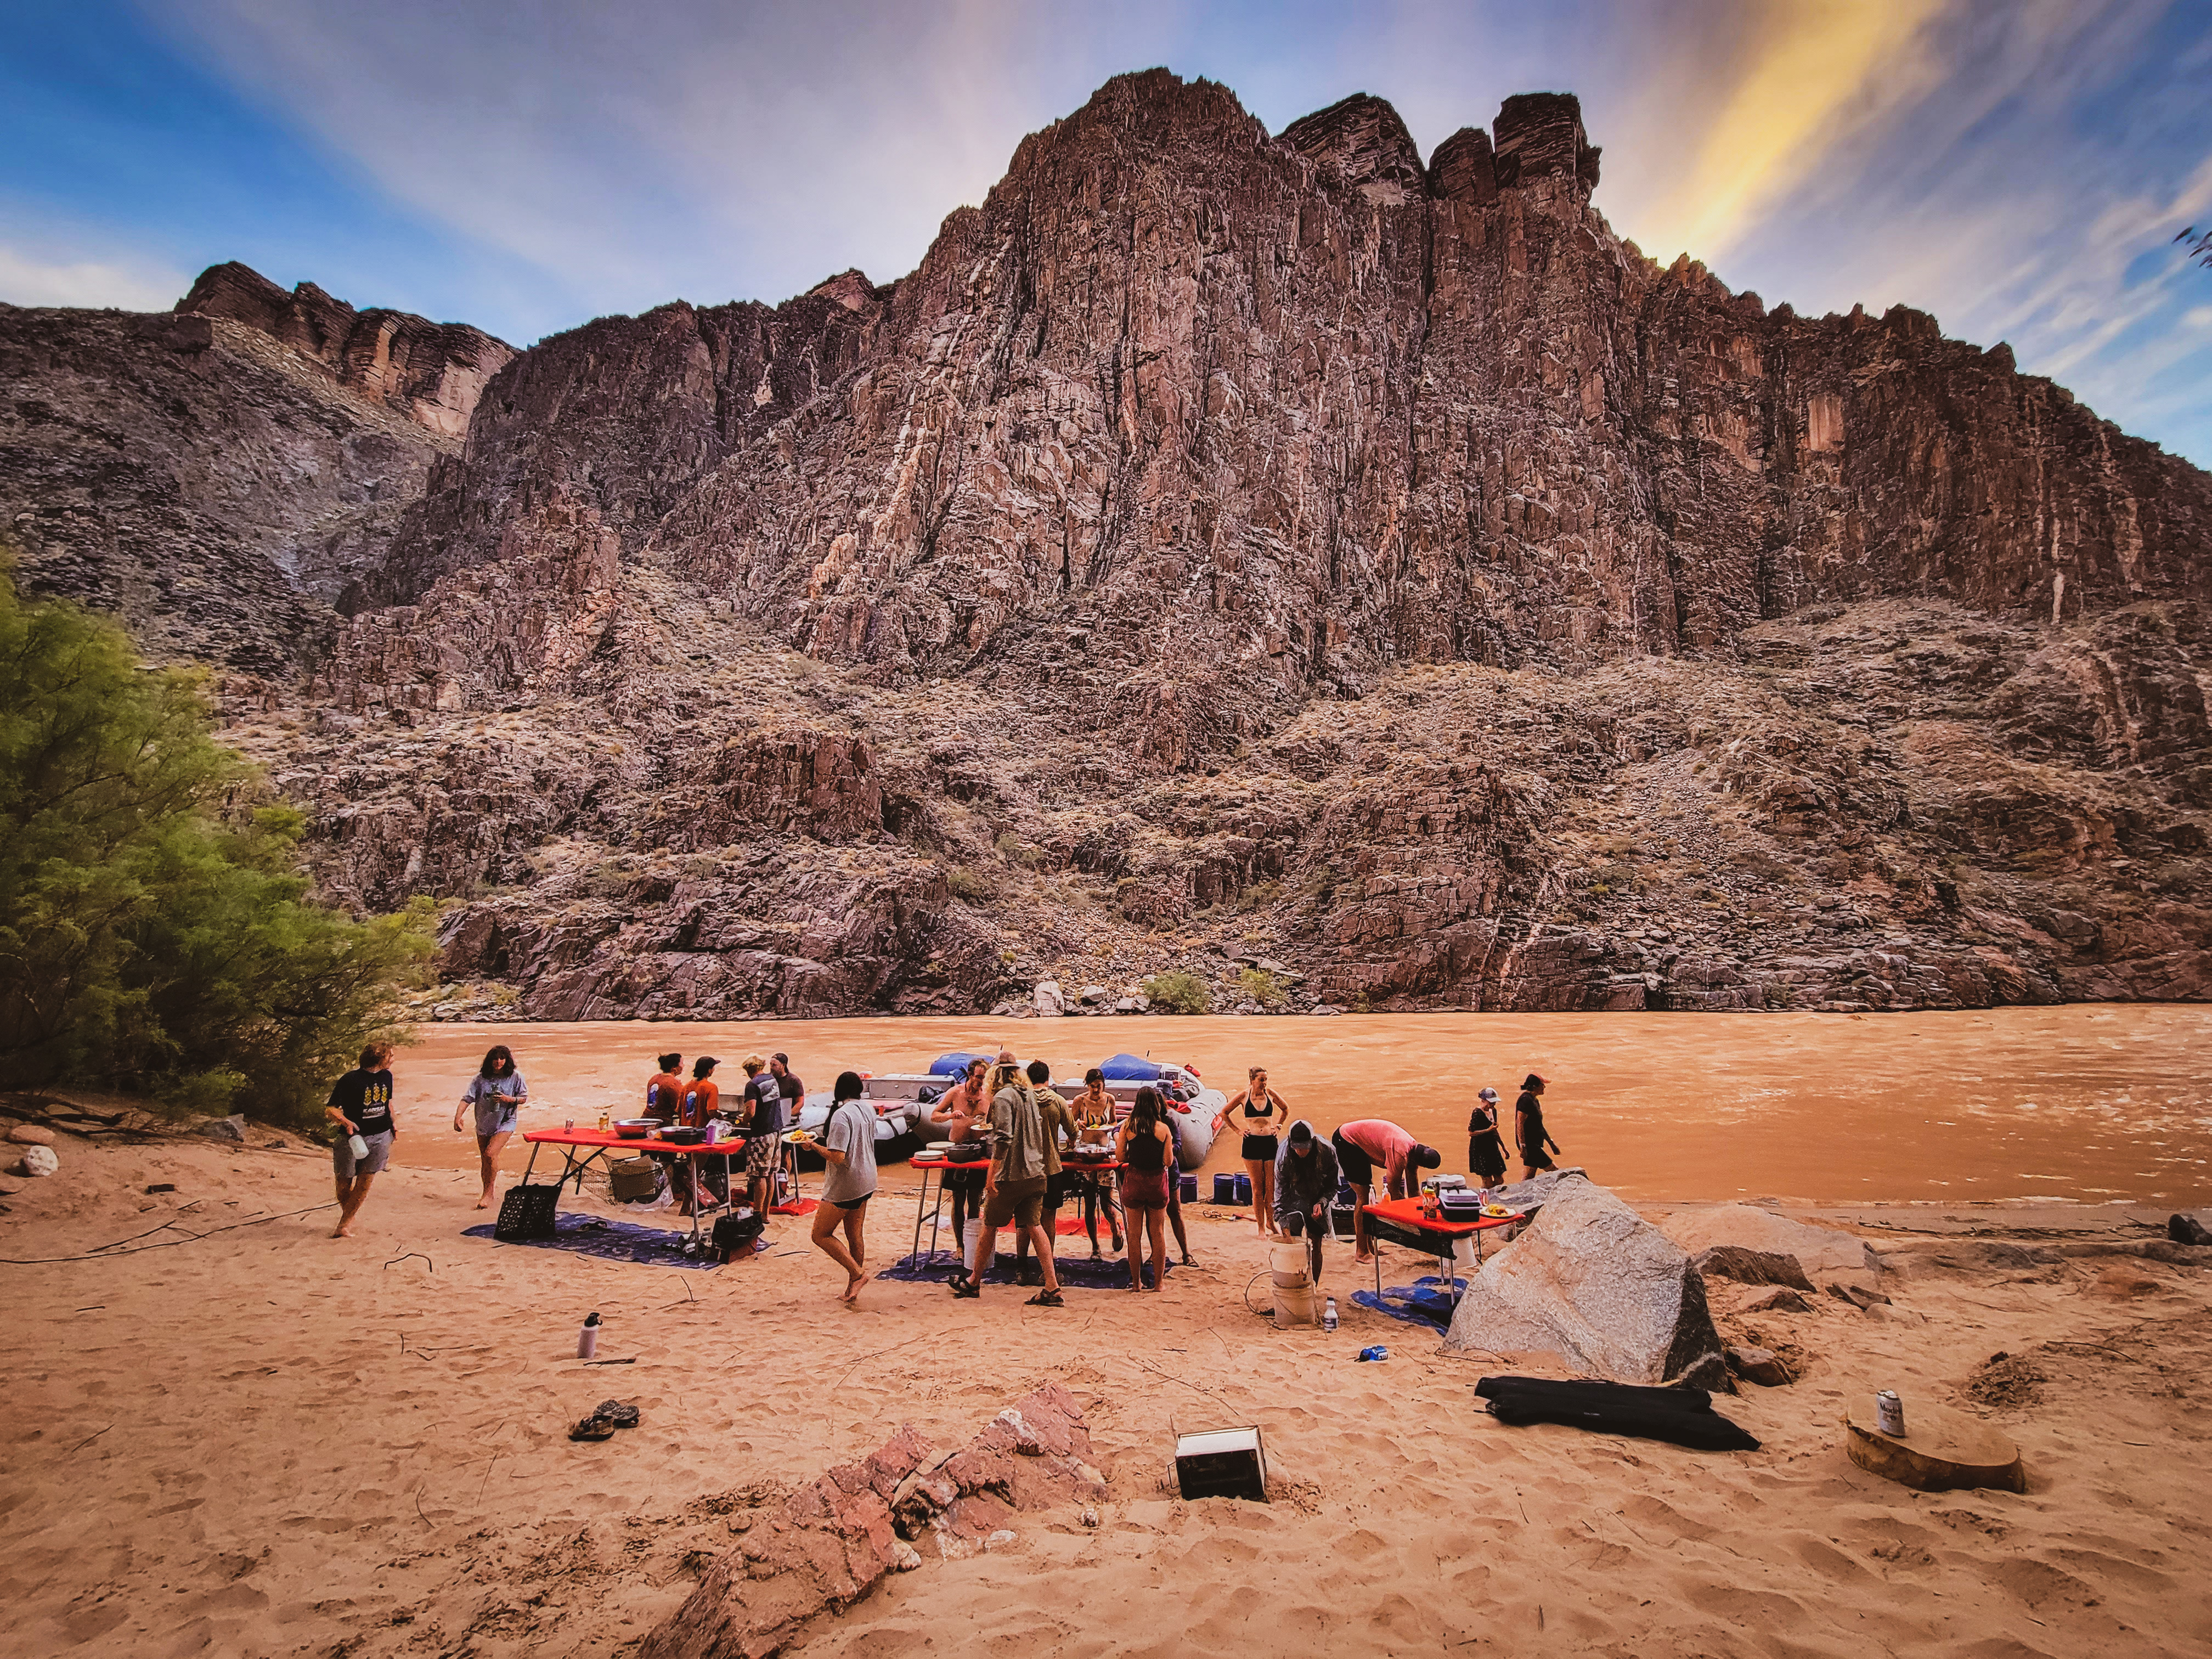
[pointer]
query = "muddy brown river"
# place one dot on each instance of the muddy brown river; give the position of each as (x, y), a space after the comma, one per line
(2086, 1103)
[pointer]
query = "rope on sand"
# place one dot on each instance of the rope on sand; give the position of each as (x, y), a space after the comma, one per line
(109, 1252)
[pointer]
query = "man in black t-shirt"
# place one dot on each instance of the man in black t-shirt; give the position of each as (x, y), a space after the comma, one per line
(794, 1091)
(361, 1106)
(764, 1126)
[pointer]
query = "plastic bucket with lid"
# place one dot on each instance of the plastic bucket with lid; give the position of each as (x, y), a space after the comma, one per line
(1224, 1189)
(1287, 1267)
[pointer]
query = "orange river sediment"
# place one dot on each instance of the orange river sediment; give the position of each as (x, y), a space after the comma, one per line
(2091, 1104)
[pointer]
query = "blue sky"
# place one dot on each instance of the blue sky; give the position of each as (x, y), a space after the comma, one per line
(2017, 169)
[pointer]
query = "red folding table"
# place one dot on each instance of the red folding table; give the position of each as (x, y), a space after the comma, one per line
(596, 1144)
(1403, 1221)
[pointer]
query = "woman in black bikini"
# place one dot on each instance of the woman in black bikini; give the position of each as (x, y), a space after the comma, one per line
(1260, 1112)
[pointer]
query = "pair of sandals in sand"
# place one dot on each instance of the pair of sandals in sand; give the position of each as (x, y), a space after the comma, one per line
(964, 1288)
(603, 1420)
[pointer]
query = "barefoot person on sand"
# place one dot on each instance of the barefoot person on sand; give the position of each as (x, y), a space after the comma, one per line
(1528, 1131)
(498, 1093)
(1146, 1146)
(1260, 1116)
(848, 1181)
(360, 1104)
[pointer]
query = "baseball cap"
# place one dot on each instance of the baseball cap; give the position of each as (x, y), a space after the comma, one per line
(1490, 1095)
(1301, 1132)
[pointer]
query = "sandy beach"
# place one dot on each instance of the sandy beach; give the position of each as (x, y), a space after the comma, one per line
(259, 1440)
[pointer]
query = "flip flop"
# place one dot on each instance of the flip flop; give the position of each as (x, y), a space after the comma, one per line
(1045, 1299)
(593, 1428)
(964, 1292)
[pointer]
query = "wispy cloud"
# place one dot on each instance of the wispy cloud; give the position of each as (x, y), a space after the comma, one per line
(28, 279)
(1808, 74)
(2002, 163)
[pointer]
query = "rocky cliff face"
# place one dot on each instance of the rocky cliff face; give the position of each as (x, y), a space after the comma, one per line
(1340, 576)
(431, 372)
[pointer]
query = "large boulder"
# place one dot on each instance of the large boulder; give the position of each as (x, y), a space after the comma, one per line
(1593, 1282)
(1820, 1251)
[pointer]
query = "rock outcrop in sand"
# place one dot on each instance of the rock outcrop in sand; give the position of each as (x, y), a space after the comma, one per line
(836, 1538)
(1596, 1284)
(1223, 545)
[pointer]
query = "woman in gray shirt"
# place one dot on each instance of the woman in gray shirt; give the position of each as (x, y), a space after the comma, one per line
(497, 1092)
(848, 1181)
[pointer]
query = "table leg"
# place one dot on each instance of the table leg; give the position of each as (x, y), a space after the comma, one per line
(921, 1203)
(533, 1165)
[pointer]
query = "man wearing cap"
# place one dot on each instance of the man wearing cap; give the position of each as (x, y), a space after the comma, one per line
(1305, 1185)
(1368, 1143)
(1486, 1149)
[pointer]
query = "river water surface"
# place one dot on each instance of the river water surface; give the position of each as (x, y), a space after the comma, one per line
(2086, 1102)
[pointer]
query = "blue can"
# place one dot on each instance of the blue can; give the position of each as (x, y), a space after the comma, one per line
(1378, 1352)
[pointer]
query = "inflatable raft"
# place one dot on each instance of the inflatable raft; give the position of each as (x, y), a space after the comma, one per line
(1191, 1106)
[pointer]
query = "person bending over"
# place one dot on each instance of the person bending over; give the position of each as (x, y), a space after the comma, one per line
(1305, 1186)
(360, 1104)
(848, 1181)
(1013, 1189)
(1371, 1144)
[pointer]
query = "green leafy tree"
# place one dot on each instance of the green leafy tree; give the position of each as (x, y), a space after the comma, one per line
(155, 937)
(1177, 993)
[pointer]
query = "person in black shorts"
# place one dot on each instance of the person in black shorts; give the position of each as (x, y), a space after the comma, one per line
(1485, 1148)
(360, 1104)
(1261, 1115)
(1528, 1131)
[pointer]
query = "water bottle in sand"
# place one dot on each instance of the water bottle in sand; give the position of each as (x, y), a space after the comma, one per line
(1328, 1316)
(587, 1339)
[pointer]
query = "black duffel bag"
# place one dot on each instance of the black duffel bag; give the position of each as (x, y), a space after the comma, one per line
(733, 1233)
(1683, 1417)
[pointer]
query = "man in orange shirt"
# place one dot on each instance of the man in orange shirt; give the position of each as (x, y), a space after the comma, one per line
(702, 1098)
(664, 1089)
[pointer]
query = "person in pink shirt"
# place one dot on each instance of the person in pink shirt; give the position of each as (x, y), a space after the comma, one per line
(1369, 1144)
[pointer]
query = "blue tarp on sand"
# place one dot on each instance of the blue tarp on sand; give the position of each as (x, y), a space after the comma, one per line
(1425, 1302)
(613, 1241)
